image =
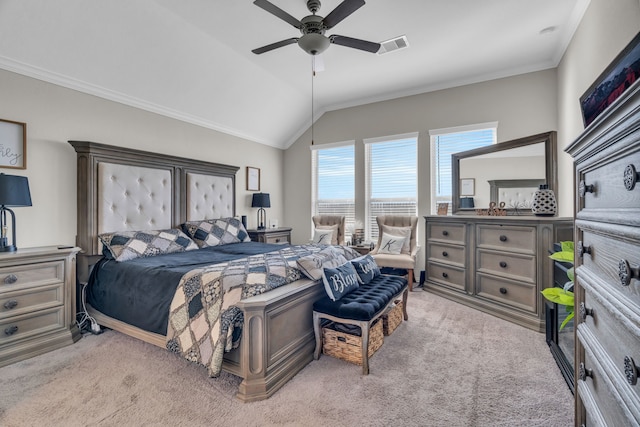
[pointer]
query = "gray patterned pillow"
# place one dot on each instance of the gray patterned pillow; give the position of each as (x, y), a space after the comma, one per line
(311, 265)
(127, 245)
(214, 232)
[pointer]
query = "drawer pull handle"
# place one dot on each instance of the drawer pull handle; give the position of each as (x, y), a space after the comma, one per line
(584, 372)
(503, 238)
(503, 264)
(503, 291)
(445, 275)
(11, 330)
(626, 272)
(12, 278)
(584, 311)
(445, 233)
(582, 249)
(445, 253)
(630, 370)
(11, 304)
(585, 188)
(631, 176)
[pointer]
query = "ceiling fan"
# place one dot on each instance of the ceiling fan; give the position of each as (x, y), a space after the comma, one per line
(313, 41)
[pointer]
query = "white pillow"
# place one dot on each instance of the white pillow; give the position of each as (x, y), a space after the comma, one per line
(390, 244)
(402, 232)
(322, 236)
(333, 228)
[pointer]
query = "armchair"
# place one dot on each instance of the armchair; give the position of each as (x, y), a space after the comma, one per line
(406, 259)
(320, 221)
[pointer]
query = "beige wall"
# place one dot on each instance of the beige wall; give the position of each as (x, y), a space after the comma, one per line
(522, 105)
(606, 28)
(55, 115)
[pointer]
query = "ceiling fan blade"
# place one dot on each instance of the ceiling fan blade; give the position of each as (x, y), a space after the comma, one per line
(355, 43)
(275, 10)
(344, 9)
(275, 45)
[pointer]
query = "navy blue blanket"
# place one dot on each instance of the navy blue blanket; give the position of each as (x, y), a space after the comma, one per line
(139, 291)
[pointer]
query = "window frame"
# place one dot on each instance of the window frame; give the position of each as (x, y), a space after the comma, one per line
(433, 135)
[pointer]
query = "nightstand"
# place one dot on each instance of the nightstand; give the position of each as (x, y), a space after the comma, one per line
(37, 302)
(362, 250)
(271, 235)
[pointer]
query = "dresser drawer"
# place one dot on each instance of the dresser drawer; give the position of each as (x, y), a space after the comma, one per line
(619, 341)
(446, 232)
(27, 326)
(509, 265)
(513, 293)
(28, 275)
(598, 393)
(449, 276)
(449, 254)
(279, 238)
(604, 257)
(606, 189)
(30, 299)
(514, 239)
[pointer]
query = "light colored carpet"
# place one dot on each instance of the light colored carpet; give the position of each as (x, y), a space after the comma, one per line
(449, 365)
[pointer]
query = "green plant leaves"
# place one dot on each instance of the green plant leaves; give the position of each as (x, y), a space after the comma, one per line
(559, 296)
(565, 254)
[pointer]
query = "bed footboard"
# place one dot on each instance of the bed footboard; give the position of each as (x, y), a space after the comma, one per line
(277, 338)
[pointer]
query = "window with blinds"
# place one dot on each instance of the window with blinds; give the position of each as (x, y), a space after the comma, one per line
(444, 143)
(333, 180)
(391, 179)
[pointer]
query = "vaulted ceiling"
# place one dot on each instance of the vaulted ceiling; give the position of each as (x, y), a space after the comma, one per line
(192, 59)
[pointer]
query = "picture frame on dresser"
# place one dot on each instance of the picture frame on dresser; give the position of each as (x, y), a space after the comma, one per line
(13, 149)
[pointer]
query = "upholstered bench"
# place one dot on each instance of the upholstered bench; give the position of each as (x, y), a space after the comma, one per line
(360, 307)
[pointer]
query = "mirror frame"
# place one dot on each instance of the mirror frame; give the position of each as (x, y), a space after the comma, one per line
(551, 163)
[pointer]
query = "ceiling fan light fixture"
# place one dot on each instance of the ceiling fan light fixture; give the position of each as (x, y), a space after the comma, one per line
(313, 44)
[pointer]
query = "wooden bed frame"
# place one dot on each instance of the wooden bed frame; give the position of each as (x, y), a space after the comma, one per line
(277, 336)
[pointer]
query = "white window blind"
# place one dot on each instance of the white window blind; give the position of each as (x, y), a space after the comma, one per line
(446, 142)
(333, 170)
(391, 179)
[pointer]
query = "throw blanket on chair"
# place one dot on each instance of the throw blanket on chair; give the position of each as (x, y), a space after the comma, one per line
(204, 321)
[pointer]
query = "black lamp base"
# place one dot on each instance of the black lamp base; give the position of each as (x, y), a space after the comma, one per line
(5, 247)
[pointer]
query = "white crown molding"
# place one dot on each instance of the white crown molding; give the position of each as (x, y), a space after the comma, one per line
(12, 65)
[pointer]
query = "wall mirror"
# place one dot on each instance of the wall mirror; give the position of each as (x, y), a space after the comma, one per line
(508, 172)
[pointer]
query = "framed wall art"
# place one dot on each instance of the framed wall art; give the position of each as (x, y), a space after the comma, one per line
(623, 72)
(13, 144)
(253, 179)
(467, 187)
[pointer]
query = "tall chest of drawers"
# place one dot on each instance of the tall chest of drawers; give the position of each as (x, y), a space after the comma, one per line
(495, 264)
(37, 302)
(607, 292)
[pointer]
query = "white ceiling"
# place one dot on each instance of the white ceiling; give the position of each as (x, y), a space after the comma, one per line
(192, 60)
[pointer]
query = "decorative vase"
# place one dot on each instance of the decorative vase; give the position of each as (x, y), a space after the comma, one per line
(544, 202)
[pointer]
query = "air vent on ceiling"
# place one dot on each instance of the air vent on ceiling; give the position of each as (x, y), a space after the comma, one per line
(393, 44)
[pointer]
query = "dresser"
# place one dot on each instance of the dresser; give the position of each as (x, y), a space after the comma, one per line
(607, 240)
(495, 264)
(271, 235)
(37, 302)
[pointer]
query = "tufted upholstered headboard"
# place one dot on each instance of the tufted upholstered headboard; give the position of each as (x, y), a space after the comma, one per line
(517, 194)
(124, 189)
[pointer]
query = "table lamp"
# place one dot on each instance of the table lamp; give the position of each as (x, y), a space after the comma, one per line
(14, 192)
(261, 201)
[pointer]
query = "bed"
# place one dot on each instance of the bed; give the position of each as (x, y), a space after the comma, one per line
(126, 189)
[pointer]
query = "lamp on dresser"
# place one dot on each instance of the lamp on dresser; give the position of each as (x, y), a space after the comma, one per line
(261, 201)
(14, 192)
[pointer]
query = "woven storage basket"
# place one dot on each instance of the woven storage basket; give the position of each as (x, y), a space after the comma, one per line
(349, 347)
(392, 319)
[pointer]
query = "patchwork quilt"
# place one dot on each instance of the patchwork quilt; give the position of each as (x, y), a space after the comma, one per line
(204, 321)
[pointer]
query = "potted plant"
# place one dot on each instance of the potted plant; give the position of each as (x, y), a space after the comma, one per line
(563, 296)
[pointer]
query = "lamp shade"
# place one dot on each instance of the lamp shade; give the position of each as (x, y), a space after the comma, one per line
(14, 190)
(261, 200)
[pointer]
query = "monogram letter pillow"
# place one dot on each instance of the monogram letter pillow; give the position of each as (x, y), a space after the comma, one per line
(390, 244)
(366, 268)
(400, 231)
(339, 281)
(322, 236)
(311, 265)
